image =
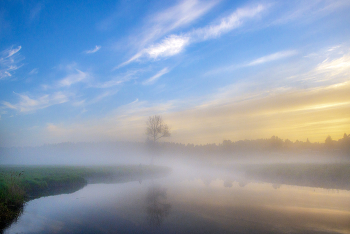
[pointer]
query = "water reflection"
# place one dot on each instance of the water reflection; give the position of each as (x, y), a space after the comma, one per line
(157, 207)
(200, 202)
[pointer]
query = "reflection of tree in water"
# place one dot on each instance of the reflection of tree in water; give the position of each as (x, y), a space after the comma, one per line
(157, 208)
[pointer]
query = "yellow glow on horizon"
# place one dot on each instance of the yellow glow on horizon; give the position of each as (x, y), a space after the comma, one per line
(294, 114)
(312, 114)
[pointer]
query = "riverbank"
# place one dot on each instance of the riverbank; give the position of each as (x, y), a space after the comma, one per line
(19, 184)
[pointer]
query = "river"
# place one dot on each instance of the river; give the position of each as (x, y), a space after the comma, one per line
(195, 201)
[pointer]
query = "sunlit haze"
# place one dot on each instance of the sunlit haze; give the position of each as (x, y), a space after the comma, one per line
(78, 71)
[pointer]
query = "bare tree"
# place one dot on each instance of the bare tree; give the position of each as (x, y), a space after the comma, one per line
(156, 129)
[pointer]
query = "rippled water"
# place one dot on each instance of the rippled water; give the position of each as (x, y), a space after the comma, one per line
(196, 203)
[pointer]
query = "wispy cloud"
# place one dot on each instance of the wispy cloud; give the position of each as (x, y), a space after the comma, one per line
(73, 78)
(9, 60)
(333, 67)
(35, 11)
(308, 10)
(164, 22)
(34, 71)
(102, 96)
(168, 47)
(28, 104)
(175, 44)
(156, 76)
(182, 14)
(339, 64)
(265, 59)
(272, 57)
(109, 84)
(97, 48)
(13, 51)
(132, 59)
(117, 80)
(226, 24)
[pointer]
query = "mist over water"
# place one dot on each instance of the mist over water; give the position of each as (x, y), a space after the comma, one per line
(210, 189)
(191, 199)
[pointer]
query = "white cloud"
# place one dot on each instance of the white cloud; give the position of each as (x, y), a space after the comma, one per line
(307, 11)
(109, 84)
(73, 78)
(132, 59)
(97, 48)
(334, 67)
(156, 76)
(265, 59)
(182, 14)
(9, 59)
(172, 18)
(34, 71)
(27, 104)
(13, 51)
(117, 80)
(9, 105)
(339, 64)
(168, 47)
(175, 44)
(272, 57)
(334, 48)
(102, 96)
(226, 24)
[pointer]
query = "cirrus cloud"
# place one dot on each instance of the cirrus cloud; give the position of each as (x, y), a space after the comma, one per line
(9, 60)
(29, 104)
(174, 44)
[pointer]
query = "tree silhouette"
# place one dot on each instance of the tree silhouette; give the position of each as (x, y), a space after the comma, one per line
(328, 142)
(156, 128)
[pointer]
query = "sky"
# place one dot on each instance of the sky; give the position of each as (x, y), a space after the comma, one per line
(92, 71)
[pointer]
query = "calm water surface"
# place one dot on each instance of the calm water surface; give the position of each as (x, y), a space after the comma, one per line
(182, 203)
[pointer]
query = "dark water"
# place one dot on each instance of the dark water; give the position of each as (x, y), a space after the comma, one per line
(189, 202)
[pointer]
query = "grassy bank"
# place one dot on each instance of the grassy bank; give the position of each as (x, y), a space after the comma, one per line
(19, 184)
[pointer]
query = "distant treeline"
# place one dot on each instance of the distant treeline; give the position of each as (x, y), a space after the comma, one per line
(277, 144)
(126, 152)
(273, 145)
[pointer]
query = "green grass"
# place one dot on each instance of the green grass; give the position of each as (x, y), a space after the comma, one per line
(19, 184)
(12, 197)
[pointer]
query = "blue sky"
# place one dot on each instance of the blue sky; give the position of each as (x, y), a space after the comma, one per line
(94, 71)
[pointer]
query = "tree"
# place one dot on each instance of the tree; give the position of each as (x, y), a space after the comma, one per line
(156, 128)
(329, 142)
